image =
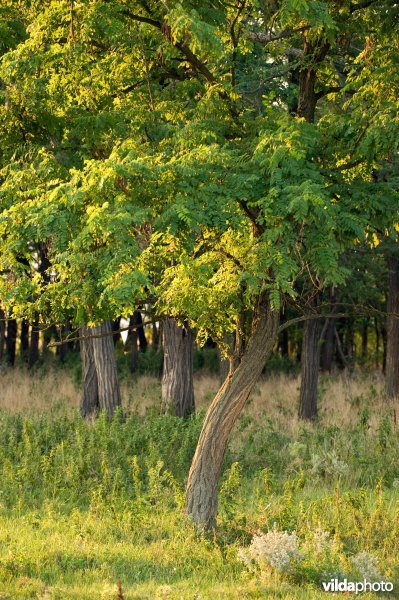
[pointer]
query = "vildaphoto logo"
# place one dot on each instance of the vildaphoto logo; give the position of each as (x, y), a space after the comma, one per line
(335, 585)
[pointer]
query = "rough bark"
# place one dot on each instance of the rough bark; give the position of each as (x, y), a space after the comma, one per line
(104, 359)
(203, 479)
(11, 341)
(89, 402)
(177, 377)
(392, 329)
(309, 370)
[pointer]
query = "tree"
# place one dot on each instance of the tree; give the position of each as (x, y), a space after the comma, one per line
(177, 377)
(392, 357)
(201, 159)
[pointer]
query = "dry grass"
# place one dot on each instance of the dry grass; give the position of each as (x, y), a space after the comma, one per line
(342, 398)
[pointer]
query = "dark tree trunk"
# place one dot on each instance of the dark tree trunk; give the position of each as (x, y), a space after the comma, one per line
(11, 340)
(24, 338)
(365, 328)
(377, 343)
(34, 344)
(155, 337)
(392, 328)
(177, 378)
(203, 479)
(49, 335)
(2, 333)
(309, 370)
(104, 359)
(327, 348)
(132, 342)
(116, 325)
(89, 403)
(138, 320)
(283, 343)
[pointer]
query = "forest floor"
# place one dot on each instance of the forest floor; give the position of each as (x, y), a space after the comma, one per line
(87, 508)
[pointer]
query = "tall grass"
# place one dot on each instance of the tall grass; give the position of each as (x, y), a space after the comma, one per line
(84, 505)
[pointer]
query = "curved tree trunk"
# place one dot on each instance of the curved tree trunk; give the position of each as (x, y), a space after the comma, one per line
(203, 479)
(310, 370)
(104, 359)
(392, 328)
(89, 402)
(177, 378)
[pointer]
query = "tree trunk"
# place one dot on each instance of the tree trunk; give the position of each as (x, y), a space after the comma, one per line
(24, 340)
(2, 333)
(365, 328)
(310, 370)
(11, 340)
(132, 340)
(89, 402)
(327, 349)
(34, 344)
(155, 337)
(104, 359)
(392, 347)
(177, 378)
(377, 343)
(138, 320)
(203, 479)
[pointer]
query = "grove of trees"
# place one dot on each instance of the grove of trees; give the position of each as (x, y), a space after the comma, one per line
(224, 172)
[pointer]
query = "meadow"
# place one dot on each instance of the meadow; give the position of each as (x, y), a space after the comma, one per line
(94, 510)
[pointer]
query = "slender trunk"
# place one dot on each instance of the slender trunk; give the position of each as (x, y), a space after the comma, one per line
(283, 343)
(2, 333)
(327, 349)
(34, 344)
(392, 328)
(203, 479)
(310, 370)
(104, 359)
(116, 325)
(11, 340)
(155, 337)
(138, 320)
(377, 343)
(177, 378)
(89, 402)
(365, 329)
(132, 340)
(24, 338)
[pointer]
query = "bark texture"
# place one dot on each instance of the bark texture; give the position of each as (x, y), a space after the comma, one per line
(392, 331)
(177, 378)
(109, 397)
(89, 403)
(310, 370)
(203, 479)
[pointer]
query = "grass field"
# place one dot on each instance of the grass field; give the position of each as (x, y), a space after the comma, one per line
(95, 510)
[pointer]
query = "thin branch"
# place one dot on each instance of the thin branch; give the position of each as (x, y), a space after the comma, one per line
(266, 38)
(72, 337)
